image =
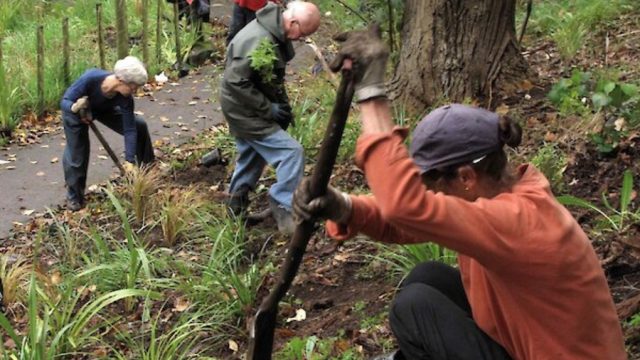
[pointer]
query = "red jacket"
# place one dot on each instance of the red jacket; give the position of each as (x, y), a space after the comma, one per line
(254, 5)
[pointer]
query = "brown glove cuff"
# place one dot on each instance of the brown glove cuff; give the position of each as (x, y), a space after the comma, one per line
(347, 209)
(370, 92)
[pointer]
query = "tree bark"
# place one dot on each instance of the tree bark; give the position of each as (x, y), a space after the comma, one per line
(456, 50)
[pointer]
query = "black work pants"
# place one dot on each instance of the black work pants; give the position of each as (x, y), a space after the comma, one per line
(431, 318)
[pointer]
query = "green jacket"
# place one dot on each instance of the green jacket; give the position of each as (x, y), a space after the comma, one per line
(245, 97)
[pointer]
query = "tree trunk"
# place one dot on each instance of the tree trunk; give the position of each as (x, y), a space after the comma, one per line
(457, 49)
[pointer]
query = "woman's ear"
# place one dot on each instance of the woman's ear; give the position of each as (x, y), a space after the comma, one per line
(468, 177)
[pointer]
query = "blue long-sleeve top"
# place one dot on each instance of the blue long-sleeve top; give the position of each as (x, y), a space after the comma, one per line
(89, 84)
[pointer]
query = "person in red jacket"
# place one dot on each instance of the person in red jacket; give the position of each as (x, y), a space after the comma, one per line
(244, 11)
(528, 284)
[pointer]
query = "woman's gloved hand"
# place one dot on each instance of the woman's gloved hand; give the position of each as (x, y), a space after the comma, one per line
(368, 55)
(82, 103)
(334, 205)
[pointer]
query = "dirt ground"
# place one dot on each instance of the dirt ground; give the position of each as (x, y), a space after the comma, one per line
(335, 277)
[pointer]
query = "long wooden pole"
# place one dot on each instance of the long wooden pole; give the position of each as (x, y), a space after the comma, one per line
(158, 29)
(121, 28)
(264, 322)
(65, 52)
(145, 33)
(40, 70)
(176, 24)
(100, 37)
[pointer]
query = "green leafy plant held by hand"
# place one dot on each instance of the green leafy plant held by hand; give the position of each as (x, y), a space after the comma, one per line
(263, 59)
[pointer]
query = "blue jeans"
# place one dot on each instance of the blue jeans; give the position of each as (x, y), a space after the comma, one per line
(279, 150)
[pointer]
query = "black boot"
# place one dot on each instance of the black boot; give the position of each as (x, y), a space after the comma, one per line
(238, 202)
(283, 217)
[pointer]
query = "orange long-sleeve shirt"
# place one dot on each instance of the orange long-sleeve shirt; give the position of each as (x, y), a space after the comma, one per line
(531, 275)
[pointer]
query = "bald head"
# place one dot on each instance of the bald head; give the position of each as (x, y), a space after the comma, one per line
(300, 19)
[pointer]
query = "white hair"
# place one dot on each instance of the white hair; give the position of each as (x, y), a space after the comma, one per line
(131, 71)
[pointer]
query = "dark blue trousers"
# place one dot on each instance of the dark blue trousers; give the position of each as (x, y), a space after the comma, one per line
(75, 161)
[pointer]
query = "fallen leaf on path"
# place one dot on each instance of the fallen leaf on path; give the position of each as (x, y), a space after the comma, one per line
(10, 167)
(181, 304)
(28, 212)
(526, 85)
(102, 157)
(300, 315)
(341, 257)
(93, 188)
(44, 146)
(285, 333)
(192, 103)
(33, 162)
(56, 277)
(54, 160)
(233, 346)
(40, 173)
(164, 118)
(2, 162)
(550, 137)
(502, 109)
(138, 113)
(10, 344)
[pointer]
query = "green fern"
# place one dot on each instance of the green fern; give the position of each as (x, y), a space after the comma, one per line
(263, 60)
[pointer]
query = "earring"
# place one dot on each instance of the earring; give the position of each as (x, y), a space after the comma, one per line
(466, 188)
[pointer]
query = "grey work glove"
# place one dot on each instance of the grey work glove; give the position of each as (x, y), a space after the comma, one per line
(369, 55)
(281, 114)
(334, 205)
(82, 103)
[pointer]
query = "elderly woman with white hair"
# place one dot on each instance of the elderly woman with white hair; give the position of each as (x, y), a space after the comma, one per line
(107, 97)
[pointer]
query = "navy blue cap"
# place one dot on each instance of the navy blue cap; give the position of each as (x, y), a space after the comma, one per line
(454, 134)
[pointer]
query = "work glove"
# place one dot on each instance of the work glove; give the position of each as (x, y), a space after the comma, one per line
(82, 103)
(281, 114)
(334, 205)
(369, 55)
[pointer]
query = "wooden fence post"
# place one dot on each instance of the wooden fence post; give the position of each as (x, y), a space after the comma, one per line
(65, 52)
(100, 38)
(145, 31)
(40, 70)
(121, 28)
(158, 29)
(177, 33)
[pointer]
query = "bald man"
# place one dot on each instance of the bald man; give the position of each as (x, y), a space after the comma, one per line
(255, 104)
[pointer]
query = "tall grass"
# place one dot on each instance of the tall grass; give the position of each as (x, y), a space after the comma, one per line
(403, 259)
(570, 22)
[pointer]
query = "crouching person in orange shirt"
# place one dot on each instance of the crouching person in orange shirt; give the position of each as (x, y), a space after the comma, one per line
(528, 283)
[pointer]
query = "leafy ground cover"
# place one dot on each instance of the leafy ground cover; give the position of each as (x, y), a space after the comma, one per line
(154, 268)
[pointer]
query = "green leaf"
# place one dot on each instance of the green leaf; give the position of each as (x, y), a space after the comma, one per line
(569, 200)
(626, 191)
(608, 87)
(6, 325)
(600, 100)
(629, 89)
